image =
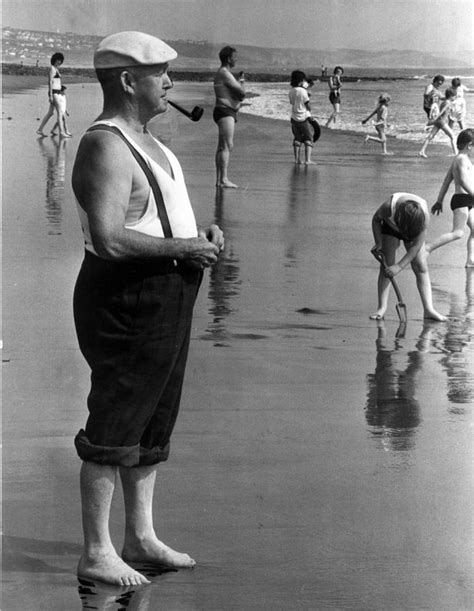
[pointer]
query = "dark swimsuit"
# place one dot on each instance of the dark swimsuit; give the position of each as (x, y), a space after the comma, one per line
(461, 200)
(220, 112)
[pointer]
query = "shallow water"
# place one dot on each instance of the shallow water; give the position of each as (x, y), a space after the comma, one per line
(321, 461)
(406, 117)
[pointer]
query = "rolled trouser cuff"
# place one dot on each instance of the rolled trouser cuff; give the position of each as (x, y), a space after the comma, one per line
(129, 456)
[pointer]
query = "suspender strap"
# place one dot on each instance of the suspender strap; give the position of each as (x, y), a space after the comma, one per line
(160, 205)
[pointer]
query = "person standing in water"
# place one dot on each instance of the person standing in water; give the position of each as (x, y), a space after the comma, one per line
(133, 303)
(54, 91)
(334, 83)
(229, 94)
(300, 116)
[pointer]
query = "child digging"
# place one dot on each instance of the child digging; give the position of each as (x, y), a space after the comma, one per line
(403, 216)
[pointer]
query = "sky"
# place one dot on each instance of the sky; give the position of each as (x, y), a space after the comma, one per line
(435, 26)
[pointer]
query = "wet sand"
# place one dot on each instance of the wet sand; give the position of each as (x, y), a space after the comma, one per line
(319, 461)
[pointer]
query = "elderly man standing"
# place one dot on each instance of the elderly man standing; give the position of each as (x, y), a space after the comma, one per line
(133, 302)
(229, 95)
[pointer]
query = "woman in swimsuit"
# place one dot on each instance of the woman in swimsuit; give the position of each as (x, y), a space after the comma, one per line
(334, 83)
(54, 91)
(441, 123)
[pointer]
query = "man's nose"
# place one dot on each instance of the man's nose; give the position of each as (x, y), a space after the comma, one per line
(168, 82)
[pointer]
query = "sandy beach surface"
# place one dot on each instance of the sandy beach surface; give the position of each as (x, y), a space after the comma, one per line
(321, 460)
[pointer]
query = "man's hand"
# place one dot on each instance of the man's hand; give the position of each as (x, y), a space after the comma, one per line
(200, 252)
(437, 208)
(213, 234)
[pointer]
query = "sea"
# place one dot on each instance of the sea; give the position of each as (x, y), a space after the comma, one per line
(406, 118)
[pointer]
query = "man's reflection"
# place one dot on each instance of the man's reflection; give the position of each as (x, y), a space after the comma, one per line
(54, 152)
(224, 282)
(103, 597)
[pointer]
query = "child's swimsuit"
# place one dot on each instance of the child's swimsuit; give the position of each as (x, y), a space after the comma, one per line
(462, 200)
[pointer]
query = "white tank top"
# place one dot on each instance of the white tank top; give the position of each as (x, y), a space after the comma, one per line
(393, 205)
(175, 197)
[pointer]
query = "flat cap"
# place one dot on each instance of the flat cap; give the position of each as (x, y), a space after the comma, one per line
(125, 49)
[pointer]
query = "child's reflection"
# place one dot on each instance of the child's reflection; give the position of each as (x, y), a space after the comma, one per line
(458, 361)
(392, 410)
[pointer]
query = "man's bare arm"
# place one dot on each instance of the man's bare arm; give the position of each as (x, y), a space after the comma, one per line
(102, 181)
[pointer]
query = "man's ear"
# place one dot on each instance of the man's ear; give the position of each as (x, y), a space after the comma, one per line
(127, 81)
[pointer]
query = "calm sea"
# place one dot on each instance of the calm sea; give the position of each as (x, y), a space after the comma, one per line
(406, 116)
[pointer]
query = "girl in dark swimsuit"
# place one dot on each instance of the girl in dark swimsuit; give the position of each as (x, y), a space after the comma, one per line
(54, 89)
(334, 83)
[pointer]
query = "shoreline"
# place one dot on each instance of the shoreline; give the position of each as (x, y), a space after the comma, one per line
(256, 76)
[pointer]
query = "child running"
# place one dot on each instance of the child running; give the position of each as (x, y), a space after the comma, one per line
(380, 124)
(300, 116)
(441, 122)
(403, 216)
(462, 201)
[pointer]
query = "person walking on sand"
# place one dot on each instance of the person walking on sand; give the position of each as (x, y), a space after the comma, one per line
(300, 116)
(441, 123)
(229, 94)
(62, 105)
(334, 83)
(380, 124)
(405, 217)
(133, 302)
(54, 91)
(462, 201)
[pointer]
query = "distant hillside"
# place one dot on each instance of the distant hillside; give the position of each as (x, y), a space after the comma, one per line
(30, 47)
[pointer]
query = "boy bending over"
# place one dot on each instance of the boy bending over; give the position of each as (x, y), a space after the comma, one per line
(403, 216)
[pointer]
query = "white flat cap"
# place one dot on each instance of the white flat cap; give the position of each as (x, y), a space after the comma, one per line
(132, 49)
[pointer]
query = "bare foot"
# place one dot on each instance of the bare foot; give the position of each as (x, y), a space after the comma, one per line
(40, 133)
(377, 316)
(421, 154)
(226, 184)
(310, 163)
(64, 135)
(156, 552)
(386, 153)
(109, 568)
(366, 139)
(434, 315)
(427, 248)
(469, 264)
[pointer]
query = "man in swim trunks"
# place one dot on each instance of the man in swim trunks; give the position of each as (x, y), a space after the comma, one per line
(462, 201)
(229, 95)
(133, 302)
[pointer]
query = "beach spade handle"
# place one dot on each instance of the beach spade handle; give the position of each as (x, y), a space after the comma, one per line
(400, 307)
(194, 115)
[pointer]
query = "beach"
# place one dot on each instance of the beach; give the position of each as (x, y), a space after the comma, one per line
(321, 460)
